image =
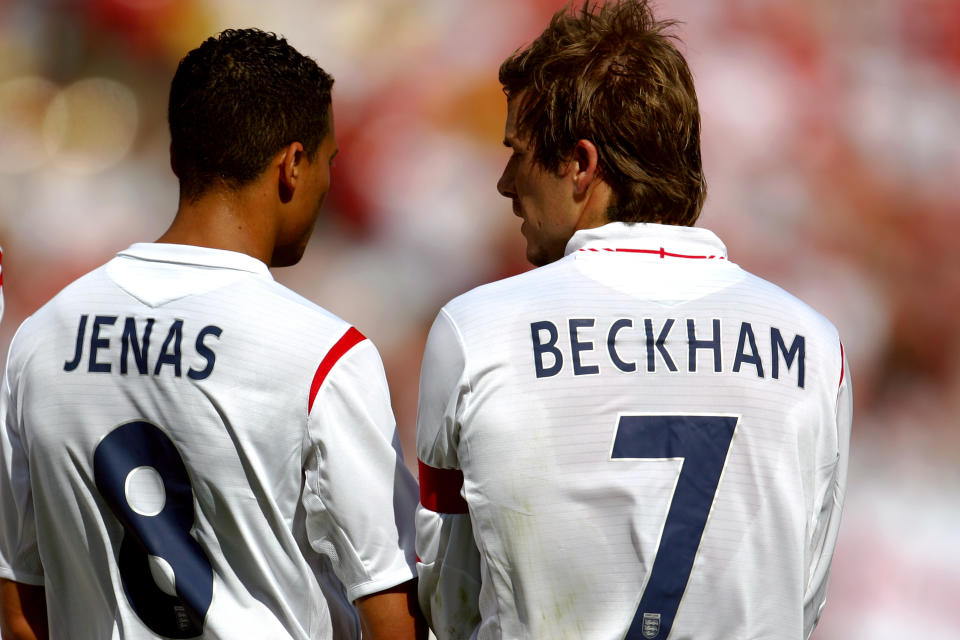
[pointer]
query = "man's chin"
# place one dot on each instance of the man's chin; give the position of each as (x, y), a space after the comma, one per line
(287, 258)
(536, 257)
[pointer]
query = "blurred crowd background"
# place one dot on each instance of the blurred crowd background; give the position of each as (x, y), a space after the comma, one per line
(831, 139)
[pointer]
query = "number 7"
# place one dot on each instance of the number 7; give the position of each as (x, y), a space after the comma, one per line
(701, 442)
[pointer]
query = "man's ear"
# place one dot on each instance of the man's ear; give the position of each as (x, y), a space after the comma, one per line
(289, 163)
(584, 160)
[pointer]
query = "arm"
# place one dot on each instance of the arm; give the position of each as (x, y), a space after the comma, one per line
(23, 611)
(1, 284)
(23, 606)
(449, 572)
(449, 566)
(353, 449)
(827, 526)
(392, 614)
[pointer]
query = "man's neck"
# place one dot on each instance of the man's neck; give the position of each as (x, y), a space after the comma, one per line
(224, 219)
(597, 201)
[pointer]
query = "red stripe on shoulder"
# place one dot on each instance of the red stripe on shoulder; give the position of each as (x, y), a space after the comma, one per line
(344, 344)
(841, 365)
(440, 489)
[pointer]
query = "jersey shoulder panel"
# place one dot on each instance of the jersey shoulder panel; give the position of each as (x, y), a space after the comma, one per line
(246, 294)
(35, 325)
(528, 290)
(777, 296)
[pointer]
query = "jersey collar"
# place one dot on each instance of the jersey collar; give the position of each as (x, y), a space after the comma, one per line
(645, 238)
(196, 256)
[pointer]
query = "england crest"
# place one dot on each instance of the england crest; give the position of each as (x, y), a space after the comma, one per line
(651, 625)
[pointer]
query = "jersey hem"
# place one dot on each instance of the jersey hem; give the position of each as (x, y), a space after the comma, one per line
(381, 584)
(23, 578)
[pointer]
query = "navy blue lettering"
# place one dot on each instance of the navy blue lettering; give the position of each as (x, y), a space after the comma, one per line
(140, 349)
(539, 348)
(695, 344)
(576, 346)
(175, 335)
(206, 352)
(97, 343)
(612, 345)
(746, 333)
(661, 338)
(78, 352)
(796, 352)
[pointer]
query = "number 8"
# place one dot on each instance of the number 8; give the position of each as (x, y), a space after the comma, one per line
(165, 535)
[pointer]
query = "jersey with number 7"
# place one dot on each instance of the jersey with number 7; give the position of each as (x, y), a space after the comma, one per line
(640, 440)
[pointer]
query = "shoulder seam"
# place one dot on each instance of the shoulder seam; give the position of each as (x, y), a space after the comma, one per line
(463, 374)
(462, 342)
(841, 364)
(347, 341)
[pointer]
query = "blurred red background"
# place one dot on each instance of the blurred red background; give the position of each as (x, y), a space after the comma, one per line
(830, 138)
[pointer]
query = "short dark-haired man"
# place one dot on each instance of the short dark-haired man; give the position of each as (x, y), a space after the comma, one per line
(190, 449)
(638, 439)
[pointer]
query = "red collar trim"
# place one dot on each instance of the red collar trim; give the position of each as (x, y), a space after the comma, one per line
(663, 253)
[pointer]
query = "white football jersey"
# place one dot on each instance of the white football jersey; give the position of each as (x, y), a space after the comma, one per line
(191, 449)
(652, 443)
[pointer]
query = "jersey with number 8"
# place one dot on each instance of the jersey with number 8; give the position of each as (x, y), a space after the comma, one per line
(652, 443)
(184, 442)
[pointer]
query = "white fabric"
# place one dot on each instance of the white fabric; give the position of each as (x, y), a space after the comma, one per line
(297, 514)
(562, 530)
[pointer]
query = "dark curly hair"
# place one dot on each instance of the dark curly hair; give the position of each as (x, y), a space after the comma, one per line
(237, 100)
(610, 74)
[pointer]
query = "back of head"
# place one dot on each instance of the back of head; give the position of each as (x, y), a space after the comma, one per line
(610, 74)
(236, 101)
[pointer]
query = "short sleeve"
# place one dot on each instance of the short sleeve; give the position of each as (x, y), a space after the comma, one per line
(1, 283)
(827, 523)
(358, 495)
(19, 553)
(442, 389)
(449, 567)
